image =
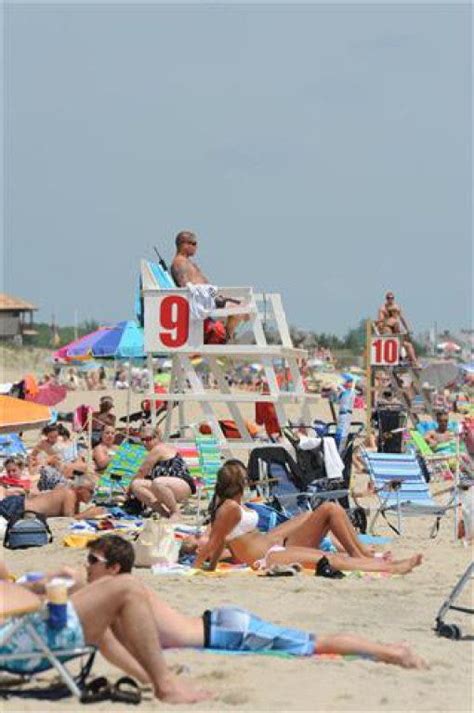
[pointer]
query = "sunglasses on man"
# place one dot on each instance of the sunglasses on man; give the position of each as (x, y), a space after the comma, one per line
(92, 559)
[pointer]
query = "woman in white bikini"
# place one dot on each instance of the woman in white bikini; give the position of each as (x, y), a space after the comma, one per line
(235, 526)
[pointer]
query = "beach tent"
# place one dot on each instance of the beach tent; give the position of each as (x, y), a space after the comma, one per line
(20, 415)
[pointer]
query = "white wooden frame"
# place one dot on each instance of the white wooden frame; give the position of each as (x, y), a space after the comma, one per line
(186, 385)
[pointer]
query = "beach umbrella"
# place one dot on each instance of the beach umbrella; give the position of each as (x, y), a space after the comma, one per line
(63, 354)
(123, 340)
(20, 415)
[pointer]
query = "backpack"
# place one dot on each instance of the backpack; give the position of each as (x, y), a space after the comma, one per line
(28, 529)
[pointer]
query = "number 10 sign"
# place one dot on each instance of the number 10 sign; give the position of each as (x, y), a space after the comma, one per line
(384, 351)
(168, 325)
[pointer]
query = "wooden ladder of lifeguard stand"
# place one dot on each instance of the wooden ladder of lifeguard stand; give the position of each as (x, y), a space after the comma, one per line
(171, 330)
(384, 352)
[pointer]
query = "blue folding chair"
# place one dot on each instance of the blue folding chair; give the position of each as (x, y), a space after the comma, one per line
(402, 489)
(18, 609)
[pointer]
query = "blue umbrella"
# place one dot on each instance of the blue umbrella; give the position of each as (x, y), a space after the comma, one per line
(123, 340)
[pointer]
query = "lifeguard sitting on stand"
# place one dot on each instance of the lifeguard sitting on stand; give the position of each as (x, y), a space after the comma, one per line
(185, 271)
(390, 320)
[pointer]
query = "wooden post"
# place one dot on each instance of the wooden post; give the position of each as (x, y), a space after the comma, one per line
(368, 379)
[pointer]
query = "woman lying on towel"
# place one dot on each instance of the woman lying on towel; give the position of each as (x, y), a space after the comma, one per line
(235, 526)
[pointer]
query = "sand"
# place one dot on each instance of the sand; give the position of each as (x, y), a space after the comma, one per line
(387, 609)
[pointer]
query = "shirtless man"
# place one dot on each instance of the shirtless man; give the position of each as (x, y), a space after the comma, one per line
(185, 270)
(225, 627)
(60, 502)
(390, 320)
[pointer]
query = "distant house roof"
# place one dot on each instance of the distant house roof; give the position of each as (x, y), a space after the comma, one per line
(9, 303)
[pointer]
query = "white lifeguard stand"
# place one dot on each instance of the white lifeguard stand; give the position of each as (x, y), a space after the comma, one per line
(170, 329)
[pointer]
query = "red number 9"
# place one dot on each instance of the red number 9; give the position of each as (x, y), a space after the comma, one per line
(174, 319)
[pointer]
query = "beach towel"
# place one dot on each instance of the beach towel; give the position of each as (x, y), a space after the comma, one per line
(203, 300)
(332, 459)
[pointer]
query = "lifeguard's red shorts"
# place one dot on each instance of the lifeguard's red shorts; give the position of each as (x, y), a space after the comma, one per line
(214, 332)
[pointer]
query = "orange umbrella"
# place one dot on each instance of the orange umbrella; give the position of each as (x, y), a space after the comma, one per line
(19, 415)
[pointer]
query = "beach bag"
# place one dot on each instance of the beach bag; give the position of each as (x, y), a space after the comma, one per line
(28, 529)
(268, 517)
(156, 545)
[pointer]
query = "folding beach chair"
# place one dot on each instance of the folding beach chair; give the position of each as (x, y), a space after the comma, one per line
(436, 467)
(18, 607)
(11, 445)
(287, 486)
(210, 460)
(402, 489)
(123, 466)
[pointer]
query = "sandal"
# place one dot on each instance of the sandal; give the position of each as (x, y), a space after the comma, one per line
(96, 691)
(126, 690)
(324, 569)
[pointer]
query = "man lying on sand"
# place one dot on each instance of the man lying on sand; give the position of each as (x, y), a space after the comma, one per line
(63, 501)
(227, 628)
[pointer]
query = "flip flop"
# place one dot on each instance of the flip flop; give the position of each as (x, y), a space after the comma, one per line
(96, 691)
(324, 569)
(126, 690)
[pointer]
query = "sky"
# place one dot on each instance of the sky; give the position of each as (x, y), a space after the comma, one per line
(320, 151)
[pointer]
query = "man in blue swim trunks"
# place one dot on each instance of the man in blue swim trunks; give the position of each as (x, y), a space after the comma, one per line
(232, 628)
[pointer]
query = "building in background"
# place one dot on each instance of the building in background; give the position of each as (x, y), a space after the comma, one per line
(16, 319)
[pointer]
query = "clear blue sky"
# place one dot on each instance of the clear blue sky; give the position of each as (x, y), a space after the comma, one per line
(323, 151)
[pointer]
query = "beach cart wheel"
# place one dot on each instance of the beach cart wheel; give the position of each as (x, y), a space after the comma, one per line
(449, 631)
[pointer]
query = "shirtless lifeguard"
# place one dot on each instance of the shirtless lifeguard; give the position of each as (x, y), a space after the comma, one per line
(390, 320)
(184, 270)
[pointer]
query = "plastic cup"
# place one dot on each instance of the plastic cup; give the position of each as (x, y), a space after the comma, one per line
(56, 592)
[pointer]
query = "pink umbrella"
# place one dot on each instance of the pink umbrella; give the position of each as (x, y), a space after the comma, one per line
(49, 394)
(62, 354)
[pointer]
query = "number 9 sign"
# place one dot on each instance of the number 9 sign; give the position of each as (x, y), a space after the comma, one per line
(173, 320)
(168, 323)
(385, 351)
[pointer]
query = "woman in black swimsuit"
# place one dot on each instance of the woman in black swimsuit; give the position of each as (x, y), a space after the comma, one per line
(163, 480)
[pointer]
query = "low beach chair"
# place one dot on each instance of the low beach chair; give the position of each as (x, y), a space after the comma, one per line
(436, 466)
(210, 460)
(120, 471)
(280, 479)
(18, 606)
(401, 488)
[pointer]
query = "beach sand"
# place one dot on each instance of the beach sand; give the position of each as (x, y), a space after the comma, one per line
(386, 609)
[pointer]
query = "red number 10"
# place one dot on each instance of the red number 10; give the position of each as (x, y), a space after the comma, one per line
(386, 351)
(174, 321)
